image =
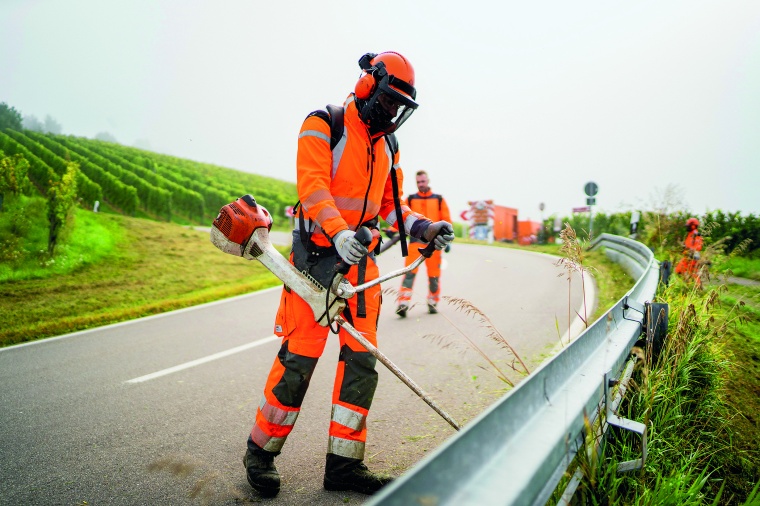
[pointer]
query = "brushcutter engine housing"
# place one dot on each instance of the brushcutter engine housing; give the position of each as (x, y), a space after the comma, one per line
(235, 224)
(242, 229)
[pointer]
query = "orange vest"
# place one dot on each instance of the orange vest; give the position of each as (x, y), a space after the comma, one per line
(430, 205)
(342, 188)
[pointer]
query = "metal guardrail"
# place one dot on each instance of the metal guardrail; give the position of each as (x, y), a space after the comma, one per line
(516, 452)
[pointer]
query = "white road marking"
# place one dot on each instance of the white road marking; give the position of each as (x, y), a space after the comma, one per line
(203, 360)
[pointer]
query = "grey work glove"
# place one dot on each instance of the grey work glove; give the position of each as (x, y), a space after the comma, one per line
(441, 233)
(349, 248)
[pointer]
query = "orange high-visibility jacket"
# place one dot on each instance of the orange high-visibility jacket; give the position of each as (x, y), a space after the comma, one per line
(693, 241)
(342, 188)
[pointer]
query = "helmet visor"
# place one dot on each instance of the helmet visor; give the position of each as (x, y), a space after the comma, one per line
(397, 104)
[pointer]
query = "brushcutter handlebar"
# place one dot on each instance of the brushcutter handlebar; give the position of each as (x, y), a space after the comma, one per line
(346, 290)
(428, 250)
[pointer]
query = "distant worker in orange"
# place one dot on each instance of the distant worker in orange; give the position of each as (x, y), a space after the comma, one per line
(688, 267)
(435, 208)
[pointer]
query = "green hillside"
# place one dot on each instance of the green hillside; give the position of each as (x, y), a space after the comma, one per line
(135, 182)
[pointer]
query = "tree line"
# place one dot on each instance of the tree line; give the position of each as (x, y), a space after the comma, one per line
(665, 231)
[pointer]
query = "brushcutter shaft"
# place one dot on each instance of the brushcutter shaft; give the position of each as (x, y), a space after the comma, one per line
(346, 290)
(395, 370)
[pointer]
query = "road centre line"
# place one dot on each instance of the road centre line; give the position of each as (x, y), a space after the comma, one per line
(203, 360)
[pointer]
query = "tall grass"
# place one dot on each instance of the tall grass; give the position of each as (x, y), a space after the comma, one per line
(573, 256)
(680, 396)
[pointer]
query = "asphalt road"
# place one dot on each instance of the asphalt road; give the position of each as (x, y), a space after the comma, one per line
(157, 411)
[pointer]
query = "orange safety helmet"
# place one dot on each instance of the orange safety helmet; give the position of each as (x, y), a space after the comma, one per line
(692, 223)
(387, 78)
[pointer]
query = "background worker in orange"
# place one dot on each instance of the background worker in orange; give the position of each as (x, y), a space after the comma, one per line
(340, 188)
(434, 207)
(688, 267)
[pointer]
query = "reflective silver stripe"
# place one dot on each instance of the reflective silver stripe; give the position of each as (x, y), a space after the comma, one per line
(349, 203)
(326, 213)
(265, 442)
(346, 448)
(390, 158)
(337, 152)
(310, 227)
(408, 222)
(315, 198)
(274, 444)
(348, 417)
(275, 415)
(392, 218)
(314, 133)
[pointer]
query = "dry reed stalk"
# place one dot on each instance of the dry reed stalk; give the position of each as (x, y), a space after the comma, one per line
(572, 262)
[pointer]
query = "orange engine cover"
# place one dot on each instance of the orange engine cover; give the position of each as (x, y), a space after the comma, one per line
(238, 220)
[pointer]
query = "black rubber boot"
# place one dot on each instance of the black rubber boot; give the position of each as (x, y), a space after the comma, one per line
(261, 472)
(432, 309)
(342, 473)
(402, 309)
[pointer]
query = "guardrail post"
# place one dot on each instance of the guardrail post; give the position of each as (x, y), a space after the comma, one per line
(624, 423)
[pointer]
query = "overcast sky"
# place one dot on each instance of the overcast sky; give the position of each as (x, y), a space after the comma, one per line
(520, 102)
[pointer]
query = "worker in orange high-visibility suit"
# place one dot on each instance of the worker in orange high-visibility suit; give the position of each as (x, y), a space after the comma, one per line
(688, 267)
(434, 207)
(340, 190)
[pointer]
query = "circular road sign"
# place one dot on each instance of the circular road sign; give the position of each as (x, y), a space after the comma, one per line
(591, 189)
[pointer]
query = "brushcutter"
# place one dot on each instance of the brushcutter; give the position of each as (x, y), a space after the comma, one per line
(242, 229)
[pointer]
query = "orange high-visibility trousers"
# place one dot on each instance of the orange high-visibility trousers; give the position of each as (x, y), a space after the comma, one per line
(302, 344)
(433, 267)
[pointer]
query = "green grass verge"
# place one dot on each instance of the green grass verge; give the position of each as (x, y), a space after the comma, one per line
(114, 268)
(742, 267)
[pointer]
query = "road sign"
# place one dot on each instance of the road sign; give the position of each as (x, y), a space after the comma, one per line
(541, 206)
(584, 209)
(590, 201)
(591, 189)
